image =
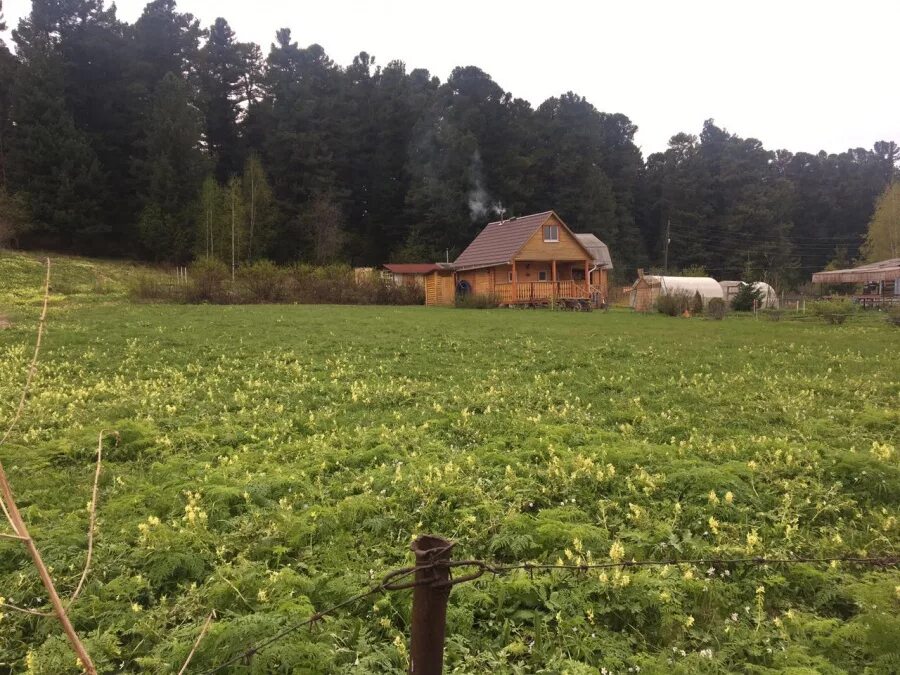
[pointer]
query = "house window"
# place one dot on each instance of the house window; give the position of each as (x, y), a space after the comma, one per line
(510, 276)
(542, 275)
(551, 233)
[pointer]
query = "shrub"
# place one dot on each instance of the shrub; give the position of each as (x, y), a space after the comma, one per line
(208, 277)
(747, 296)
(478, 301)
(148, 286)
(716, 309)
(262, 281)
(834, 311)
(697, 303)
(673, 304)
(893, 316)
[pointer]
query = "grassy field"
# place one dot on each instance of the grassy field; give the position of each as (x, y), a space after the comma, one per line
(274, 460)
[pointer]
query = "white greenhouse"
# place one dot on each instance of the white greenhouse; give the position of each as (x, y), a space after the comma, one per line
(769, 296)
(648, 288)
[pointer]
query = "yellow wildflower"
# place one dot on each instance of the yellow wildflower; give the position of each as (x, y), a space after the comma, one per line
(617, 551)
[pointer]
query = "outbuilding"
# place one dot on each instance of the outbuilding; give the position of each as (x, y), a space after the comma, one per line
(880, 281)
(648, 288)
(769, 296)
(410, 274)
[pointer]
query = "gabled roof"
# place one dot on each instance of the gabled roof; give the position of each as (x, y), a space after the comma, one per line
(500, 241)
(598, 250)
(884, 270)
(412, 268)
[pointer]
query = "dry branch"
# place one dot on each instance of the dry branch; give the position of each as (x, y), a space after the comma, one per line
(203, 630)
(25, 610)
(15, 518)
(14, 537)
(93, 520)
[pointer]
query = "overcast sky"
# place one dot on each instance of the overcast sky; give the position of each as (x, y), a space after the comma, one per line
(797, 74)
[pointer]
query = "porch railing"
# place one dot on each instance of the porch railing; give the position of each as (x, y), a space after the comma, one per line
(535, 291)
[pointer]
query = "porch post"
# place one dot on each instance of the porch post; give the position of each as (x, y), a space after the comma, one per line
(515, 283)
(554, 286)
(587, 278)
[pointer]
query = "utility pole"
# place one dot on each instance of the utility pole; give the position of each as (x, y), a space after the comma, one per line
(668, 239)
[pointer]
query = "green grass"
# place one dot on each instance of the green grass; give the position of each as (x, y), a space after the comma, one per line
(274, 460)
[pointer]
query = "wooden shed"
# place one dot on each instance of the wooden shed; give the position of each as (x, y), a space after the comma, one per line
(410, 274)
(440, 286)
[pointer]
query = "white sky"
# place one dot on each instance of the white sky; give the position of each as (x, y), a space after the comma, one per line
(797, 74)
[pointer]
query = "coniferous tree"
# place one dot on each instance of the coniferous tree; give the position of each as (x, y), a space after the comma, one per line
(402, 165)
(51, 163)
(171, 171)
(96, 56)
(222, 87)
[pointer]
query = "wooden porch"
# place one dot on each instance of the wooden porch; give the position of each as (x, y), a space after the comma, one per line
(541, 292)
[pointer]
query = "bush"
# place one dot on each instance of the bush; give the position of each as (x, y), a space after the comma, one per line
(478, 301)
(716, 309)
(697, 303)
(262, 281)
(146, 286)
(834, 311)
(673, 304)
(207, 279)
(893, 316)
(747, 296)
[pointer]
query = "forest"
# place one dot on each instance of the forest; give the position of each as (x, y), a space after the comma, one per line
(168, 139)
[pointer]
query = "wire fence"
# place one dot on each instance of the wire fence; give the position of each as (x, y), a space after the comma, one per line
(393, 581)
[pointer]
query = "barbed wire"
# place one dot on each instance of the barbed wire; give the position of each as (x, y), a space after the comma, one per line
(391, 581)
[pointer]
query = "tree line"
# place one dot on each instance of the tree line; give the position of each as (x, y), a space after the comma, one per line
(167, 140)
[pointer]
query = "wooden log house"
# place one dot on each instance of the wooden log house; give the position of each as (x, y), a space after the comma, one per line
(531, 260)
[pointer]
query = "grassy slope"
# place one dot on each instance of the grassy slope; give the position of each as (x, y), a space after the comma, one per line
(289, 452)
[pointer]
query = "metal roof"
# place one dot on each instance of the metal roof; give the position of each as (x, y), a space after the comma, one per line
(598, 250)
(884, 270)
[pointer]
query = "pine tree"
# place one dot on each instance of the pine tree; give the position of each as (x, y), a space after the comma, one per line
(171, 171)
(7, 73)
(222, 85)
(50, 162)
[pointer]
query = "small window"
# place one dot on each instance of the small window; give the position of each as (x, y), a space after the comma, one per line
(551, 233)
(542, 275)
(510, 276)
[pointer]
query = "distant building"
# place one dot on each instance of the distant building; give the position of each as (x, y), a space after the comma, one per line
(410, 274)
(529, 260)
(769, 296)
(880, 281)
(648, 288)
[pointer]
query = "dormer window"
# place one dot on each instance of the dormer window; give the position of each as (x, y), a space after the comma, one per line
(551, 233)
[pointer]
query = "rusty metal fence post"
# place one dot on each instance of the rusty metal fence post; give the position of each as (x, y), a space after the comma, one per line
(429, 610)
